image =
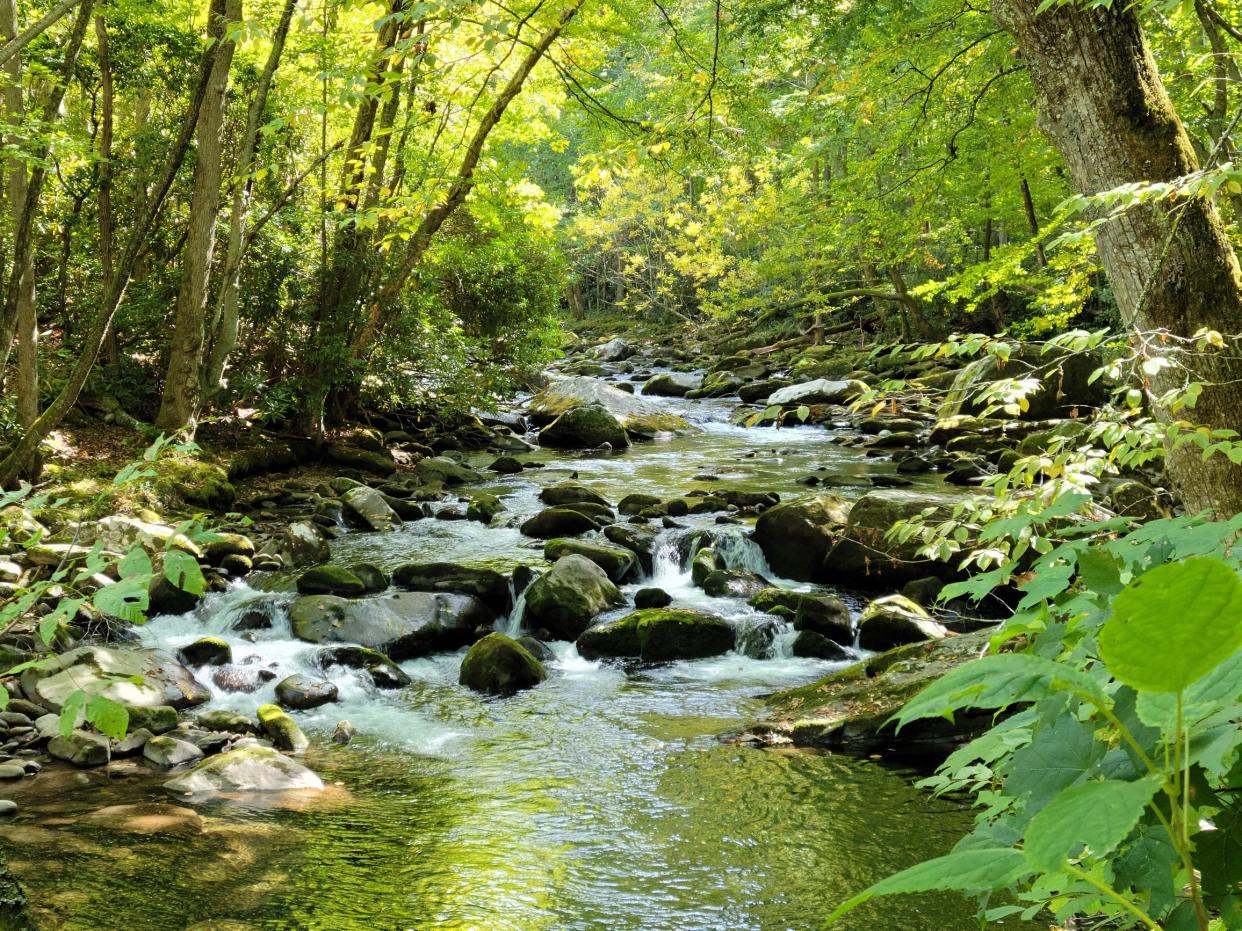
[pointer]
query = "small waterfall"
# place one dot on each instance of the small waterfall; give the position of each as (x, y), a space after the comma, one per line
(737, 551)
(511, 626)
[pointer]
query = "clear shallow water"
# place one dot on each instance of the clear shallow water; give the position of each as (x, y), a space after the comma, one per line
(604, 798)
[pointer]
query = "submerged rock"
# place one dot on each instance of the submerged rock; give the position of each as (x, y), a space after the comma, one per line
(499, 665)
(659, 635)
(247, 769)
(384, 673)
(568, 597)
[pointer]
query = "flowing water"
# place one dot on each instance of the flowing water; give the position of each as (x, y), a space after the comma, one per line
(604, 798)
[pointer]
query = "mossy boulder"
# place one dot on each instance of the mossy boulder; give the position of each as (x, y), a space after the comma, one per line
(617, 561)
(367, 509)
(862, 553)
(825, 615)
(384, 673)
(569, 596)
(659, 635)
(443, 469)
(180, 477)
(484, 507)
(331, 580)
(488, 585)
(81, 748)
(559, 522)
(571, 493)
(652, 598)
(894, 621)
(810, 645)
(281, 729)
(376, 461)
(139, 678)
(797, 536)
(402, 625)
(584, 428)
(499, 665)
(636, 503)
(206, 651)
(672, 384)
(303, 544)
(733, 583)
(635, 414)
(246, 769)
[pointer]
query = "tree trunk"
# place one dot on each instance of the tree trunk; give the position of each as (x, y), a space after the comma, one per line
(1172, 269)
(107, 237)
(1032, 221)
(113, 292)
(181, 400)
(224, 329)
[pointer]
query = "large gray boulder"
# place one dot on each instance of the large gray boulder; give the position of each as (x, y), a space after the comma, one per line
(402, 625)
(569, 596)
(366, 507)
(247, 769)
(895, 621)
(615, 350)
(672, 384)
(137, 678)
(635, 414)
(488, 585)
(499, 665)
(302, 544)
(796, 536)
(819, 391)
(617, 561)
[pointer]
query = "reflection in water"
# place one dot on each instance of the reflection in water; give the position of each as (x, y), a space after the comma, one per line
(601, 799)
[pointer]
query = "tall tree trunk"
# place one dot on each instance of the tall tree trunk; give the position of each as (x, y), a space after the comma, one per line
(181, 400)
(1032, 222)
(114, 290)
(107, 237)
(1172, 268)
(223, 332)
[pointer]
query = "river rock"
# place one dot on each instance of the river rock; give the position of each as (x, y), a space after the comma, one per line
(402, 625)
(558, 522)
(652, 598)
(797, 536)
(444, 469)
(636, 503)
(572, 493)
(894, 621)
(131, 744)
(758, 392)
(617, 561)
(819, 391)
(282, 729)
(158, 719)
(302, 693)
(672, 384)
(331, 580)
(810, 645)
(206, 651)
(637, 415)
(615, 350)
(367, 508)
(226, 722)
(12, 771)
(659, 635)
(81, 748)
(499, 665)
(569, 596)
(384, 673)
(1065, 384)
(506, 465)
(862, 554)
(483, 507)
(147, 818)
(488, 585)
(733, 583)
(584, 428)
(825, 615)
(140, 678)
(638, 540)
(303, 544)
(246, 769)
(167, 752)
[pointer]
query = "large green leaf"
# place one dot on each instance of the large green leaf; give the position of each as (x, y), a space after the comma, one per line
(127, 599)
(961, 871)
(110, 718)
(998, 682)
(182, 570)
(1096, 815)
(1173, 625)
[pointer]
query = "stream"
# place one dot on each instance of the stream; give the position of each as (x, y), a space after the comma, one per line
(603, 798)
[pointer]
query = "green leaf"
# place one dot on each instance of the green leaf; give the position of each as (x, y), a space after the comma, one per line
(127, 599)
(1097, 815)
(73, 707)
(961, 871)
(136, 563)
(182, 570)
(110, 718)
(1173, 625)
(998, 682)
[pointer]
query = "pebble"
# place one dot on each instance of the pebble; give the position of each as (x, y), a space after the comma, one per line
(7, 808)
(12, 770)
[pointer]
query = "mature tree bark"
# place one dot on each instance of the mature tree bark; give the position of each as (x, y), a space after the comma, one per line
(107, 235)
(13, 45)
(181, 400)
(224, 323)
(1172, 268)
(114, 290)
